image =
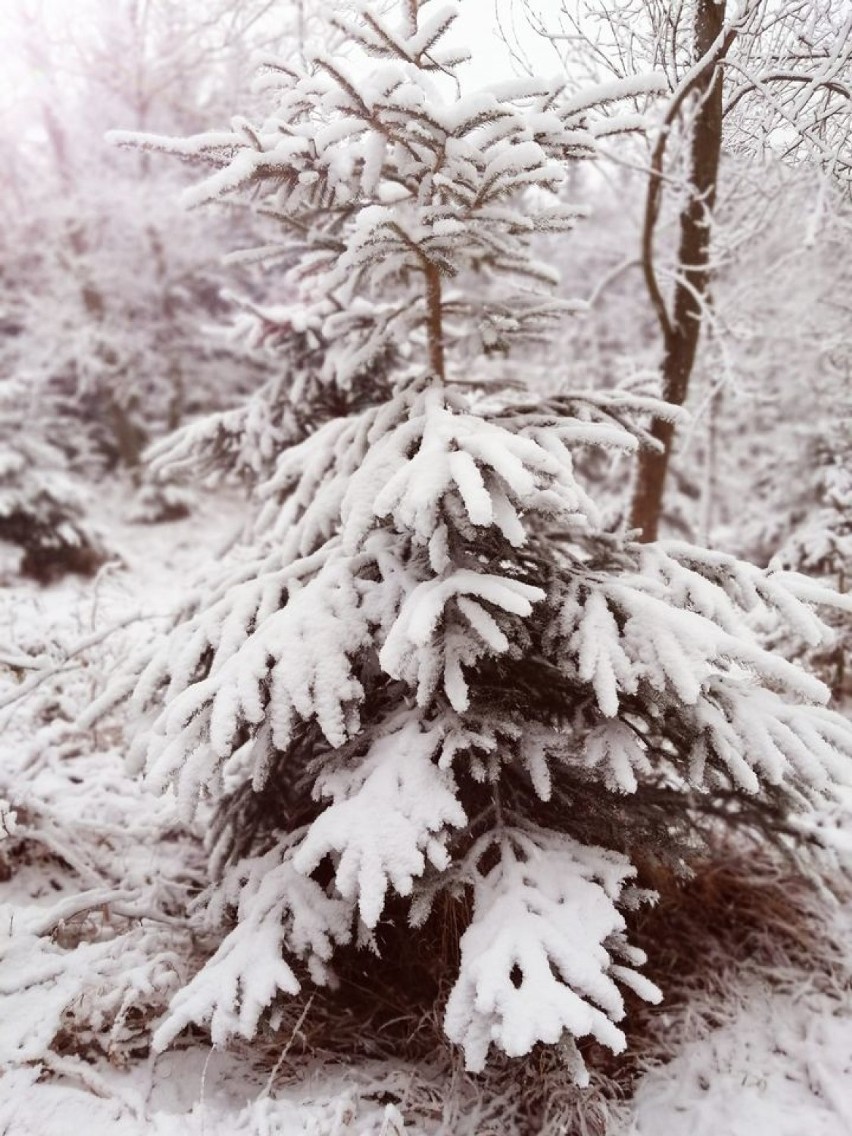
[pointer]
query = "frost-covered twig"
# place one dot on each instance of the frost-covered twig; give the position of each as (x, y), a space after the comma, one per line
(68, 662)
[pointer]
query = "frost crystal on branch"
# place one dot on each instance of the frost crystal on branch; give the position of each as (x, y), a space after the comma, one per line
(434, 670)
(534, 962)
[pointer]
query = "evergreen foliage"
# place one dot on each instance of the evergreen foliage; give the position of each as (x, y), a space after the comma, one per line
(42, 512)
(437, 672)
(821, 545)
(242, 444)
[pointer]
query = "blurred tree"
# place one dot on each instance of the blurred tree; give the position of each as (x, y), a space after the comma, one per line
(756, 81)
(112, 290)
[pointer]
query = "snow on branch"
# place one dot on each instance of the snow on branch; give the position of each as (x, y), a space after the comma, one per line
(279, 911)
(537, 961)
(398, 781)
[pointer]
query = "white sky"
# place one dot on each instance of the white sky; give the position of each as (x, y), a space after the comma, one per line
(21, 21)
(479, 31)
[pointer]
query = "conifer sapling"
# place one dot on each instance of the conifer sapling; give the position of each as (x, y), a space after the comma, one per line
(437, 673)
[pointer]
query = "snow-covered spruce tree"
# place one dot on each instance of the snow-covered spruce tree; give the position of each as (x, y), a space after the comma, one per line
(42, 512)
(821, 545)
(441, 676)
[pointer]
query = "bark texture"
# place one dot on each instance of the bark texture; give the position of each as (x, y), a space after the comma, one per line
(682, 328)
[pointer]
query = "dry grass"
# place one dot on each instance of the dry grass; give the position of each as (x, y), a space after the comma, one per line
(738, 909)
(745, 918)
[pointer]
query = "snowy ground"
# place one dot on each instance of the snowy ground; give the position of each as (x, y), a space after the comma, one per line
(778, 1061)
(782, 1066)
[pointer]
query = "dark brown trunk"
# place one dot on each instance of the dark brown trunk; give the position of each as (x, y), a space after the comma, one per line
(178, 397)
(693, 280)
(434, 321)
(129, 438)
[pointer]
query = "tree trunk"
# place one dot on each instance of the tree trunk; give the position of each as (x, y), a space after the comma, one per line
(693, 277)
(434, 321)
(128, 436)
(708, 488)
